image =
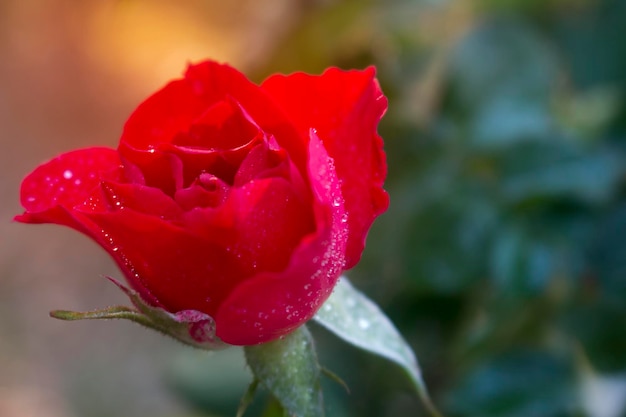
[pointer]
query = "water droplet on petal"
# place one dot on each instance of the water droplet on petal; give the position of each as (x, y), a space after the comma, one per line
(67, 174)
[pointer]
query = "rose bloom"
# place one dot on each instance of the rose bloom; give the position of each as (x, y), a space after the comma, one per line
(243, 202)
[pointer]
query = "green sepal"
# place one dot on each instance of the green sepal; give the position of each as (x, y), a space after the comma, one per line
(190, 327)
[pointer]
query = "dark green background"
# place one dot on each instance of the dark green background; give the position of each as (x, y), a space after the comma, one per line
(502, 258)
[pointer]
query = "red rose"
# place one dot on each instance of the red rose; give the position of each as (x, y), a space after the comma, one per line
(239, 201)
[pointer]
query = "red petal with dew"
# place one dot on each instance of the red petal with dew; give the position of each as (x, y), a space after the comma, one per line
(344, 107)
(269, 305)
(194, 263)
(52, 190)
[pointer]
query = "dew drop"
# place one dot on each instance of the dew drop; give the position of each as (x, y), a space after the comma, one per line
(67, 174)
(363, 323)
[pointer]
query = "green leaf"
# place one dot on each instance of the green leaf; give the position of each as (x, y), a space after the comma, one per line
(503, 76)
(209, 383)
(518, 383)
(560, 169)
(360, 322)
(289, 369)
(247, 398)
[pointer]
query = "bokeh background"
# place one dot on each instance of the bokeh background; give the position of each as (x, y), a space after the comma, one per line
(502, 258)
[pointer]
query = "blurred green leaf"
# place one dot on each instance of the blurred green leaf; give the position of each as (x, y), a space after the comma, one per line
(558, 169)
(520, 265)
(209, 382)
(506, 143)
(517, 384)
(446, 243)
(607, 259)
(589, 40)
(595, 325)
(502, 77)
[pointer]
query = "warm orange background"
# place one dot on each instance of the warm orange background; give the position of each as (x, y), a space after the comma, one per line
(70, 73)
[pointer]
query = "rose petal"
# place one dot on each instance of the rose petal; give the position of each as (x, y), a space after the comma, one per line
(221, 163)
(170, 266)
(262, 222)
(213, 81)
(268, 159)
(160, 117)
(180, 103)
(159, 169)
(69, 180)
(344, 107)
(262, 162)
(140, 198)
(270, 222)
(223, 126)
(194, 266)
(269, 305)
(207, 191)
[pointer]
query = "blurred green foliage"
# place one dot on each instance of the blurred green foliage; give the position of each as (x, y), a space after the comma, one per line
(503, 255)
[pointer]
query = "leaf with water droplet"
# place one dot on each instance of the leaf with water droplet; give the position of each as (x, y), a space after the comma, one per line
(357, 320)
